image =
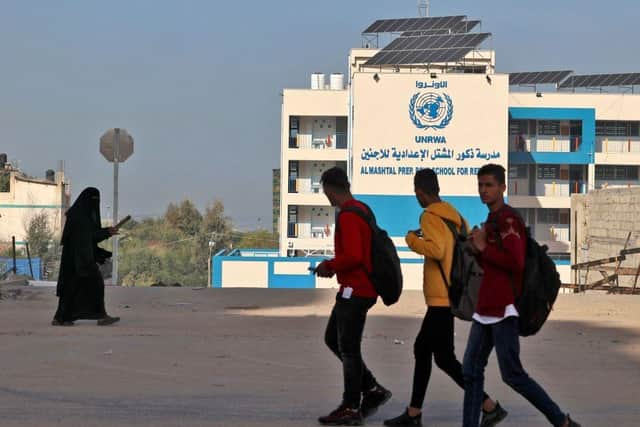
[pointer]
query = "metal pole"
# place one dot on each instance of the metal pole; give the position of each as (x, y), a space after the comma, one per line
(13, 250)
(29, 258)
(209, 268)
(116, 155)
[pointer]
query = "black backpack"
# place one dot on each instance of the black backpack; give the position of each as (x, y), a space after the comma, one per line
(540, 286)
(466, 274)
(386, 274)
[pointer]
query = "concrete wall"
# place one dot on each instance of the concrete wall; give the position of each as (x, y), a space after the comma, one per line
(27, 198)
(600, 224)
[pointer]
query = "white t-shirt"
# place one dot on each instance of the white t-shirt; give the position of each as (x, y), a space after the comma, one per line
(509, 311)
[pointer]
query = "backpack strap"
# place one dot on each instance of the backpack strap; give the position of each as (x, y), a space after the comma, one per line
(454, 231)
(367, 217)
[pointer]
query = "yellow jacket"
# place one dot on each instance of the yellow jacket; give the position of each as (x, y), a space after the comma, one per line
(436, 243)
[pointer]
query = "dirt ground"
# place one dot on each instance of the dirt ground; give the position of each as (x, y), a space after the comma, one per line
(255, 357)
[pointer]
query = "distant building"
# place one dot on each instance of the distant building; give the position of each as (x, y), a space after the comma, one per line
(276, 200)
(22, 197)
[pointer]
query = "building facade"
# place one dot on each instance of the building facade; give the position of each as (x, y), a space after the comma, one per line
(392, 118)
(23, 197)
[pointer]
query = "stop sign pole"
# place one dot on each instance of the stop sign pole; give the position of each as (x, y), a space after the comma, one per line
(116, 238)
(116, 145)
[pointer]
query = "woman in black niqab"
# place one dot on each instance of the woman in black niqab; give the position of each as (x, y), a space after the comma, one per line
(80, 285)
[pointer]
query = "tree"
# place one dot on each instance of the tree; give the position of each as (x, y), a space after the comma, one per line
(185, 217)
(258, 239)
(216, 227)
(39, 234)
(5, 182)
(43, 244)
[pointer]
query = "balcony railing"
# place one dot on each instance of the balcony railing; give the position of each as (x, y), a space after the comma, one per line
(307, 141)
(520, 187)
(552, 232)
(617, 144)
(544, 144)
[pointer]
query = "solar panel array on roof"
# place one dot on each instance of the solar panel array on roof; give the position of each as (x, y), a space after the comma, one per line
(428, 49)
(461, 27)
(412, 24)
(539, 77)
(602, 80)
(419, 56)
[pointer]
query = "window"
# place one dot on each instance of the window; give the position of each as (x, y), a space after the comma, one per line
(548, 216)
(294, 127)
(518, 171)
(548, 171)
(617, 128)
(549, 127)
(616, 173)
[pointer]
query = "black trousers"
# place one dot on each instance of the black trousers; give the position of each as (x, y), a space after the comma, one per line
(435, 340)
(344, 337)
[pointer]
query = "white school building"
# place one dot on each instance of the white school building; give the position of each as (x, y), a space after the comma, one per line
(432, 97)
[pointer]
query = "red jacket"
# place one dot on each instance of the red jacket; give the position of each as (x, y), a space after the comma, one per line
(503, 262)
(352, 241)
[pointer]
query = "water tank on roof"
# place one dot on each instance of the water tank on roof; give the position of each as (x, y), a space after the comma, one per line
(336, 81)
(50, 174)
(317, 81)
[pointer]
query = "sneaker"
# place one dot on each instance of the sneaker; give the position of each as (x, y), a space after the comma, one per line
(490, 419)
(373, 399)
(108, 320)
(405, 420)
(342, 416)
(571, 422)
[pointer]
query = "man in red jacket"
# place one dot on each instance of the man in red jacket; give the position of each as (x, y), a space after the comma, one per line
(500, 247)
(356, 296)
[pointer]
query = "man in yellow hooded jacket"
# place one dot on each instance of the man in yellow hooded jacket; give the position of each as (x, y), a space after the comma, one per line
(435, 241)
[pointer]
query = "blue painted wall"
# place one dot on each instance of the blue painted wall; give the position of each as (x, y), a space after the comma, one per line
(582, 157)
(22, 265)
(399, 214)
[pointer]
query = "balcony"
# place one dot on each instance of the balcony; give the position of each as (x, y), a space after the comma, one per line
(310, 231)
(552, 232)
(329, 142)
(559, 188)
(617, 144)
(543, 144)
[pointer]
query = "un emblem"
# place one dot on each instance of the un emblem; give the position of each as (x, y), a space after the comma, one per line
(430, 110)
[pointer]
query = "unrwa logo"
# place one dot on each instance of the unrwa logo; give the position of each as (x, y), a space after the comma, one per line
(431, 110)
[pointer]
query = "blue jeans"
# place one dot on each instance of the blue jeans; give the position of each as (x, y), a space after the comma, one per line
(504, 337)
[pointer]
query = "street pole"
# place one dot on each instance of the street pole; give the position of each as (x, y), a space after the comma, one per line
(116, 143)
(209, 280)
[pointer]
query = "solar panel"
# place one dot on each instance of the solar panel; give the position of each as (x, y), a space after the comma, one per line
(437, 42)
(419, 56)
(428, 49)
(461, 27)
(413, 24)
(538, 77)
(602, 80)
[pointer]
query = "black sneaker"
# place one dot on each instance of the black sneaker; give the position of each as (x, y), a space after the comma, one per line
(572, 423)
(405, 420)
(490, 419)
(373, 399)
(342, 416)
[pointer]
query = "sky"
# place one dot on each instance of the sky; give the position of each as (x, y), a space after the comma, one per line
(198, 83)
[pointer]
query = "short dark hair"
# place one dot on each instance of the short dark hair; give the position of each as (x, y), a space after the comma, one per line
(427, 181)
(496, 171)
(336, 178)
